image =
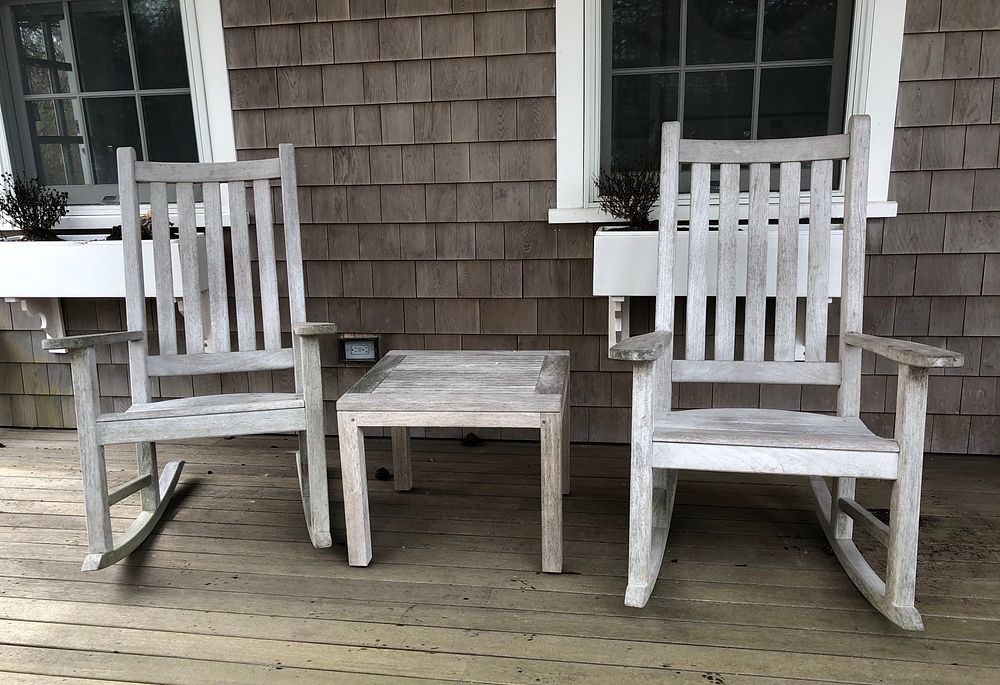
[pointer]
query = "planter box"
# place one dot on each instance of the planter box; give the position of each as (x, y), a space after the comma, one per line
(77, 268)
(625, 262)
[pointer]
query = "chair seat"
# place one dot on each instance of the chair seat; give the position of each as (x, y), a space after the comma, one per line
(769, 428)
(237, 403)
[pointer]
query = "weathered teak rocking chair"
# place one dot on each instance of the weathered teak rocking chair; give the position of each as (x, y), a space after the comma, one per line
(771, 441)
(207, 416)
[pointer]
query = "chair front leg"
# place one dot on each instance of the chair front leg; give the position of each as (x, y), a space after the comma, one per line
(312, 447)
(911, 409)
(83, 364)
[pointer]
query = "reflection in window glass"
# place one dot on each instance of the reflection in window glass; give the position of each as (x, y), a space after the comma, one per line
(111, 123)
(159, 37)
(102, 57)
(646, 33)
(799, 29)
(721, 31)
(641, 102)
(718, 105)
(39, 33)
(170, 134)
(793, 102)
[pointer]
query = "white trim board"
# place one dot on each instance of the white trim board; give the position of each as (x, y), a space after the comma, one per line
(206, 57)
(873, 79)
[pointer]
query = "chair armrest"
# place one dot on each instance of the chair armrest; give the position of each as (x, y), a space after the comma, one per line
(647, 347)
(309, 329)
(906, 352)
(79, 342)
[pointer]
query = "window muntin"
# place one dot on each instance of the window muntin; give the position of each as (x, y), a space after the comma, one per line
(91, 76)
(726, 69)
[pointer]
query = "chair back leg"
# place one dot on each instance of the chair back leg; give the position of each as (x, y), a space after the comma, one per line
(145, 453)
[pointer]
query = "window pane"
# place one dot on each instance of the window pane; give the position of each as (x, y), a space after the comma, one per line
(794, 29)
(111, 123)
(170, 135)
(53, 118)
(795, 101)
(60, 164)
(718, 105)
(39, 33)
(639, 104)
(721, 31)
(645, 33)
(159, 39)
(56, 140)
(101, 45)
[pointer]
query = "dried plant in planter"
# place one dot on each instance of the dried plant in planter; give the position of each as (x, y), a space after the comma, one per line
(629, 191)
(31, 207)
(145, 228)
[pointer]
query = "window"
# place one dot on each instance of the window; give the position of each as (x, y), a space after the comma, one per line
(85, 77)
(726, 69)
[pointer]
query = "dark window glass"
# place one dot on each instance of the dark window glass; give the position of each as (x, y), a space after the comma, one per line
(799, 29)
(159, 39)
(794, 102)
(170, 134)
(111, 123)
(718, 105)
(721, 31)
(646, 33)
(641, 103)
(38, 30)
(101, 45)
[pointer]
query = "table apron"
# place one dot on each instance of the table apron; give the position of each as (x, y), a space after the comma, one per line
(452, 419)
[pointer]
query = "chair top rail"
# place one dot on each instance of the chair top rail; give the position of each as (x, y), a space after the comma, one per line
(765, 151)
(207, 172)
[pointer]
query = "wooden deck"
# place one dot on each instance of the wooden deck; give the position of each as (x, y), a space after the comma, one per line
(228, 589)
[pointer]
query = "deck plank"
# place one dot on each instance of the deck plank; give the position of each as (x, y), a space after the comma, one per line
(229, 590)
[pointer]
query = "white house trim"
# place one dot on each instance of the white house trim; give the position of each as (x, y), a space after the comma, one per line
(206, 58)
(873, 79)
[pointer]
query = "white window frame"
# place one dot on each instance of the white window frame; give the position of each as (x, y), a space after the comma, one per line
(213, 116)
(872, 82)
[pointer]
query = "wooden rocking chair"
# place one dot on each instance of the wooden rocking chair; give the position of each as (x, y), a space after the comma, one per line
(763, 440)
(206, 416)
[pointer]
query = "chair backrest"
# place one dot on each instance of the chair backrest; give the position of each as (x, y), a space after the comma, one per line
(727, 161)
(219, 357)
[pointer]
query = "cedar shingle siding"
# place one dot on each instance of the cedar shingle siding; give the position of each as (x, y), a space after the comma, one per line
(427, 167)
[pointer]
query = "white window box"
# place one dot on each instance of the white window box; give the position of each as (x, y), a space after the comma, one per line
(39, 274)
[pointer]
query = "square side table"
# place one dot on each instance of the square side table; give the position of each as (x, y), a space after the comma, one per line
(487, 389)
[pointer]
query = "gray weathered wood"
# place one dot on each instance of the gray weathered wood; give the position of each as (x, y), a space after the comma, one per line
(669, 174)
(725, 298)
(242, 267)
(311, 458)
(905, 351)
(215, 245)
(872, 525)
(756, 301)
(135, 293)
(818, 278)
(166, 312)
(208, 404)
(213, 172)
(293, 240)
(267, 264)
(120, 492)
(310, 328)
(764, 151)
(642, 348)
(402, 475)
(697, 287)
(781, 373)
(220, 362)
(552, 446)
(79, 342)
(788, 261)
(194, 334)
(95, 478)
(353, 476)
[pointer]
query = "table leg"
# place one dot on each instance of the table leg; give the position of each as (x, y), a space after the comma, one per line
(402, 474)
(352, 467)
(552, 459)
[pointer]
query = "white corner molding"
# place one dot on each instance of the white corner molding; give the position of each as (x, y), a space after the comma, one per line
(873, 79)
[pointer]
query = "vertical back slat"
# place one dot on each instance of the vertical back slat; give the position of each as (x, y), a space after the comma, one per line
(694, 339)
(852, 281)
(166, 321)
(753, 333)
(818, 284)
(264, 220)
(194, 334)
(135, 289)
(670, 141)
(293, 242)
(215, 247)
(242, 267)
(725, 299)
(788, 262)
